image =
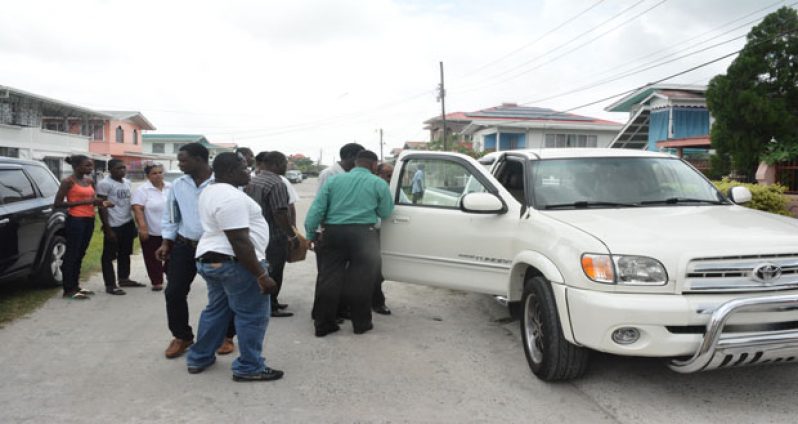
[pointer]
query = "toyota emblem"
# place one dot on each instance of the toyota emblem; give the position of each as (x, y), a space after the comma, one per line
(767, 273)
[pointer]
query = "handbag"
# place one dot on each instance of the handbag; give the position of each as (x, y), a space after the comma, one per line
(298, 251)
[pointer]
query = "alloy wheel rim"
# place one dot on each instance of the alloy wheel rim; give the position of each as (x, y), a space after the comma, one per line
(59, 249)
(533, 328)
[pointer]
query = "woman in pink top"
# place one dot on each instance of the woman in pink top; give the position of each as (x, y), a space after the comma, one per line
(78, 190)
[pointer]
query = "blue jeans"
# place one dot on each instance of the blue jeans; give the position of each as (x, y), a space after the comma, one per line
(232, 290)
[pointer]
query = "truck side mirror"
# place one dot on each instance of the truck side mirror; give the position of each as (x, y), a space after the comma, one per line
(740, 195)
(487, 203)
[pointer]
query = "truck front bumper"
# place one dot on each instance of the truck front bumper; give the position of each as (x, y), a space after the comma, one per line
(760, 329)
(720, 350)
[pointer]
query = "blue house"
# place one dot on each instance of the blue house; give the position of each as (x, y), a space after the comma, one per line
(667, 116)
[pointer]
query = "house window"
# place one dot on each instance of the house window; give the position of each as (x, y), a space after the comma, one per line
(135, 136)
(97, 132)
(158, 148)
(11, 152)
(120, 134)
(571, 140)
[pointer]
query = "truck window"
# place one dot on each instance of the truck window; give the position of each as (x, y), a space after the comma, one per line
(436, 182)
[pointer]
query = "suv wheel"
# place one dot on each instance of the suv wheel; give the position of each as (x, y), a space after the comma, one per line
(50, 272)
(550, 356)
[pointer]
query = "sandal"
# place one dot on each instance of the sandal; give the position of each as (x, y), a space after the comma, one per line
(76, 296)
(85, 291)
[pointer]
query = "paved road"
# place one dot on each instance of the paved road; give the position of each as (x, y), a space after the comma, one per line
(442, 357)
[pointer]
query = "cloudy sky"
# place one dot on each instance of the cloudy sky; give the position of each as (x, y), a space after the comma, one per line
(305, 76)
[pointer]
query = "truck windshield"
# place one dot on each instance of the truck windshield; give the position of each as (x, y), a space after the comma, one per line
(619, 182)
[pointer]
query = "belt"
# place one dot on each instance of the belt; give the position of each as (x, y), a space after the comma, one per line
(188, 241)
(215, 257)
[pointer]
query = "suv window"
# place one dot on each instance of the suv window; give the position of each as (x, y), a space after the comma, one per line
(436, 182)
(14, 186)
(48, 185)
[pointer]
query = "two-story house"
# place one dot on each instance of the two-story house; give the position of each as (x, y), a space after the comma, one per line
(40, 128)
(510, 126)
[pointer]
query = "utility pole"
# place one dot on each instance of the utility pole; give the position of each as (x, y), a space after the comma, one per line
(380, 144)
(442, 99)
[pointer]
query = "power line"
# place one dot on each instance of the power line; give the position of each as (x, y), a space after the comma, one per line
(560, 46)
(669, 77)
(652, 64)
(535, 41)
(682, 42)
(630, 73)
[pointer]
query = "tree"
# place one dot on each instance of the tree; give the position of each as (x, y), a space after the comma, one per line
(757, 100)
(455, 144)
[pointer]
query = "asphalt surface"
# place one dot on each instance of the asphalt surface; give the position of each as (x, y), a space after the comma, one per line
(442, 356)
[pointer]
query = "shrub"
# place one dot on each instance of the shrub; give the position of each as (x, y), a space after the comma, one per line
(768, 198)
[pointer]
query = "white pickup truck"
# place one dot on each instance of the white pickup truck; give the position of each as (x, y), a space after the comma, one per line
(626, 252)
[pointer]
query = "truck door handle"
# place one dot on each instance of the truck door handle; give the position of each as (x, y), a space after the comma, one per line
(48, 210)
(4, 221)
(400, 219)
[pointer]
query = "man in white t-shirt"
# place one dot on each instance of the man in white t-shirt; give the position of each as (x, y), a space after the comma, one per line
(231, 258)
(118, 228)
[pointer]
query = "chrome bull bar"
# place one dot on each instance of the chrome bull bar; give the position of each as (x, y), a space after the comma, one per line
(718, 350)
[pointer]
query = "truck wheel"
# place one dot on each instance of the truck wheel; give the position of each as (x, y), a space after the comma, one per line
(50, 272)
(550, 356)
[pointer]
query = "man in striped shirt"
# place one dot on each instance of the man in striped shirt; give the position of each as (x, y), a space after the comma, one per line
(269, 191)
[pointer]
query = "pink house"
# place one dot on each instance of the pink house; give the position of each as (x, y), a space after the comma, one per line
(120, 136)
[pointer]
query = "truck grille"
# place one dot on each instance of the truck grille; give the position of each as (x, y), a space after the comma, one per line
(742, 273)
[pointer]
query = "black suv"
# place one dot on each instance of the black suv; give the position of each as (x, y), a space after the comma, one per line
(32, 242)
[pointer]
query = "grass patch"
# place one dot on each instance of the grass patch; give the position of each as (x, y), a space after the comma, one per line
(20, 298)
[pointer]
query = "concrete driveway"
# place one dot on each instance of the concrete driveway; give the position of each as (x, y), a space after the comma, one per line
(443, 356)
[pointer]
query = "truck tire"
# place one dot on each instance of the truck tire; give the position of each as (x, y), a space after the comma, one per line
(550, 356)
(49, 273)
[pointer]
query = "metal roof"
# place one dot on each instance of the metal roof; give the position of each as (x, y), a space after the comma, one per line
(626, 103)
(132, 116)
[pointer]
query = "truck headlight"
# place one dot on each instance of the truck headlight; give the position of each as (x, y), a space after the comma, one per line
(624, 269)
(639, 270)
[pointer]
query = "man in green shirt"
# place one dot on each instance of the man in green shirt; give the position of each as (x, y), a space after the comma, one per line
(348, 205)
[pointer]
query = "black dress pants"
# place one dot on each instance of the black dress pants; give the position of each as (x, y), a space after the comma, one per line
(180, 273)
(349, 264)
(120, 249)
(276, 256)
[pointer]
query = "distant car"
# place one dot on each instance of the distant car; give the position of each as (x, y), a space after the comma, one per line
(294, 176)
(31, 230)
(171, 175)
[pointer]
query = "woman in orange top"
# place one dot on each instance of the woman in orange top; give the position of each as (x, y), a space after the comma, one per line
(78, 189)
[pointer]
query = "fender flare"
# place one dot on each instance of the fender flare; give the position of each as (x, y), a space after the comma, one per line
(527, 259)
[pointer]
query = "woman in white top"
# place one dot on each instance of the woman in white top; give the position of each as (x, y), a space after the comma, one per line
(149, 202)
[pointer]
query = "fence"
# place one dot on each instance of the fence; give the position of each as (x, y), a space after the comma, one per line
(787, 174)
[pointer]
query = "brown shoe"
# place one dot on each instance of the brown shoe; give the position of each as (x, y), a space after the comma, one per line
(177, 347)
(227, 346)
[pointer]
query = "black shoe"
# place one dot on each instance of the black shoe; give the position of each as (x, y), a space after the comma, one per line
(276, 313)
(344, 314)
(268, 374)
(197, 370)
(130, 283)
(282, 305)
(114, 290)
(323, 331)
(362, 330)
(382, 310)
